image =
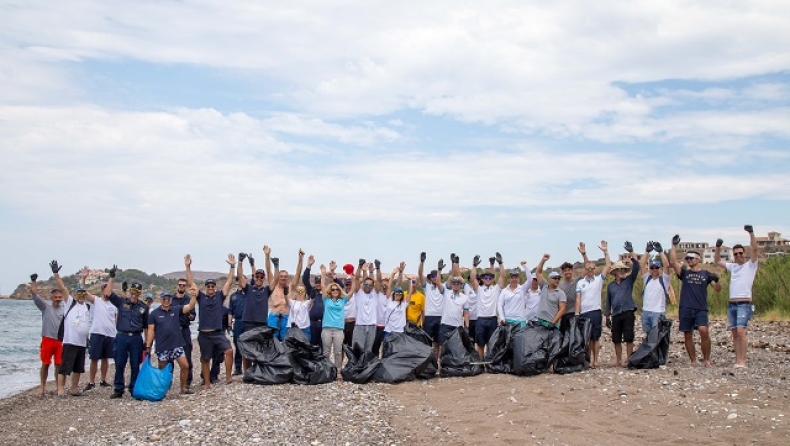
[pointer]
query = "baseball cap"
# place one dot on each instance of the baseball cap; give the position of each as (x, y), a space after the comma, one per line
(164, 294)
(655, 263)
(554, 274)
(148, 296)
(397, 290)
(80, 288)
(514, 272)
(136, 286)
(211, 282)
(260, 271)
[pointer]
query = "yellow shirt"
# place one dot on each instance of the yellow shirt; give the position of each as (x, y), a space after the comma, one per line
(416, 305)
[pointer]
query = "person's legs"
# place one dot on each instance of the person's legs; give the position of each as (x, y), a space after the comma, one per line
(183, 369)
(307, 331)
(348, 333)
(326, 341)
(596, 323)
(629, 321)
(370, 339)
(238, 329)
(135, 354)
(688, 341)
(704, 336)
(105, 365)
(686, 317)
(229, 365)
(185, 332)
(358, 337)
(618, 327)
(739, 316)
(94, 367)
(618, 353)
(337, 346)
(43, 373)
(46, 353)
(378, 338)
(121, 356)
(206, 355)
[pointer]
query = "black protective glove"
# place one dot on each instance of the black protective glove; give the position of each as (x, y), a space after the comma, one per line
(657, 247)
(649, 247)
(713, 277)
(276, 262)
(498, 258)
(676, 240)
(748, 228)
(608, 322)
(55, 267)
(252, 261)
(377, 263)
(113, 271)
(719, 242)
(422, 257)
(476, 261)
(453, 258)
(628, 247)
(361, 262)
(242, 256)
(441, 265)
(491, 260)
(34, 277)
(124, 286)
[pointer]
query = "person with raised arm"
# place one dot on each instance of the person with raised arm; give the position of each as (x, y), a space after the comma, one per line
(164, 330)
(620, 306)
(299, 305)
(552, 299)
(383, 298)
(314, 291)
(255, 312)
(396, 305)
(432, 312)
(655, 292)
(101, 346)
(130, 329)
(365, 294)
(182, 298)
(51, 319)
(740, 308)
(588, 300)
(212, 339)
(512, 305)
(333, 320)
(416, 304)
(76, 327)
(568, 286)
(693, 307)
(455, 308)
(278, 299)
(487, 302)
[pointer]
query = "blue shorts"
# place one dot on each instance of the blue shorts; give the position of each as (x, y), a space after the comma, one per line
(596, 318)
(650, 320)
(691, 319)
(739, 314)
(280, 324)
(444, 332)
(430, 325)
(484, 329)
(101, 347)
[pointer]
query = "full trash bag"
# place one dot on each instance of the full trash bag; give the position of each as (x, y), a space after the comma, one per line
(152, 383)
(499, 351)
(534, 349)
(412, 330)
(270, 362)
(310, 366)
(574, 356)
(654, 351)
(361, 365)
(404, 359)
(459, 357)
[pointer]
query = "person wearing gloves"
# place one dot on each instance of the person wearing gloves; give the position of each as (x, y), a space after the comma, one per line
(395, 310)
(299, 305)
(588, 300)
(487, 301)
(740, 309)
(51, 318)
(552, 298)
(365, 295)
(164, 331)
(455, 309)
(333, 319)
(620, 306)
(512, 304)
(568, 286)
(316, 312)
(693, 308)
(432, 311)
(656, 286)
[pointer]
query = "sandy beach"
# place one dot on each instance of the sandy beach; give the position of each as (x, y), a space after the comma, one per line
(676, 404)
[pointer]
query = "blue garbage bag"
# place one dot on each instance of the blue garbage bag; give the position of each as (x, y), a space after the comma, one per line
(152, 383)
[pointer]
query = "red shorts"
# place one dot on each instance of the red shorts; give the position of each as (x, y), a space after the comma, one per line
(49, 348)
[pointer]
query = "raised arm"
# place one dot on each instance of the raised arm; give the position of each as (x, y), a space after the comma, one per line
(308, 287)
(399, 281)
(473, 273)
(240, 279)
(269, 261)
(604, 247)
(107, 290)
(502, 273)
(357, 278)
(673, 254)
(188, 267)
(664, 261)
(420, 268)
(193, 292)
(231, 270)
(84, 272)
(539, 269)
(377, 278)
(754, 252)
(583, 252)
(646, 256)
(56, 271)
(34, 292)
(455, 266)
(299, 263)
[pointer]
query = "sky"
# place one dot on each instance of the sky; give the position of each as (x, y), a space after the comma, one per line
(134, 132)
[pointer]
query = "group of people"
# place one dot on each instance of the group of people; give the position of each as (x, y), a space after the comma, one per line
(364, 308)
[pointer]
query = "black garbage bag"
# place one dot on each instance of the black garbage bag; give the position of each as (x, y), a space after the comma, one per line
(270, 363)
(360, 366)
(459, 357)
(574, 356)
(654, 351)
(534, 349)
(411, 329)
(404, 359)
(310, 366)
(499, 351)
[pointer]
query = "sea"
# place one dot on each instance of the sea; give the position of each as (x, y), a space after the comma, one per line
(20, 339)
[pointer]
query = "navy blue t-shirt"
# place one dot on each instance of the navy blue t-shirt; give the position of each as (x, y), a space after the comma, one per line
(694, 292)
(211, 311)
(167, 331)
(256, 304)
(183, 301)
(132, 317)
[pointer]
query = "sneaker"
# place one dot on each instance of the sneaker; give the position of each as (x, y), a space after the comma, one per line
(188, 392)
(116, 394)
(104, 384)
(90, 386)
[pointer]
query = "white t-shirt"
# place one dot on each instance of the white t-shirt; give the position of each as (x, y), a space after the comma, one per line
(395, 316)
(350, 310)
(532, 300)
(105, 315)
(655, 299)
(487, 297)
(367, 307)
(433, 299)
(381, 310)
(473, 301)
(77, 324)
(590, 290)
(741, 279)
(300, 313)
(512, 304)
(453, 308)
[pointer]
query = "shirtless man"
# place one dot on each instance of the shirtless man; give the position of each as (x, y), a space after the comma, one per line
(278, 300)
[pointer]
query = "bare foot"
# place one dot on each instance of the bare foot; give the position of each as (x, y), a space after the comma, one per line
(740, 366)
(617, 365)
(229, 381)
(693, 363)
(592, 366)
(707, 364)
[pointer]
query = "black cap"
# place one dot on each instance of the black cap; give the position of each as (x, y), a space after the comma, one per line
(211, 281)
(136, 286)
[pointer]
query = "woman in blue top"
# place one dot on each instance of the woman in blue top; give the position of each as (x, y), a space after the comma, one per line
(334, 319)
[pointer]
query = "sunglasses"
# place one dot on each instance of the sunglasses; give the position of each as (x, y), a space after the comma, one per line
(182, 284)
(737, 253)
(690, 258)
(211, 286)
(300, 291)
(555, 278)
(82, 292)
(367, 284)
(260, 276)
(654, 267)
(488, 277)
(590, 268)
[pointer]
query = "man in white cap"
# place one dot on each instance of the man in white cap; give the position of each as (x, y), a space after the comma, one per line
(655, 292)
(620, 306)
(740, 309)
(588, 300)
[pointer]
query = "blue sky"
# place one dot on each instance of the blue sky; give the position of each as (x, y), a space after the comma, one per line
(136, 132)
